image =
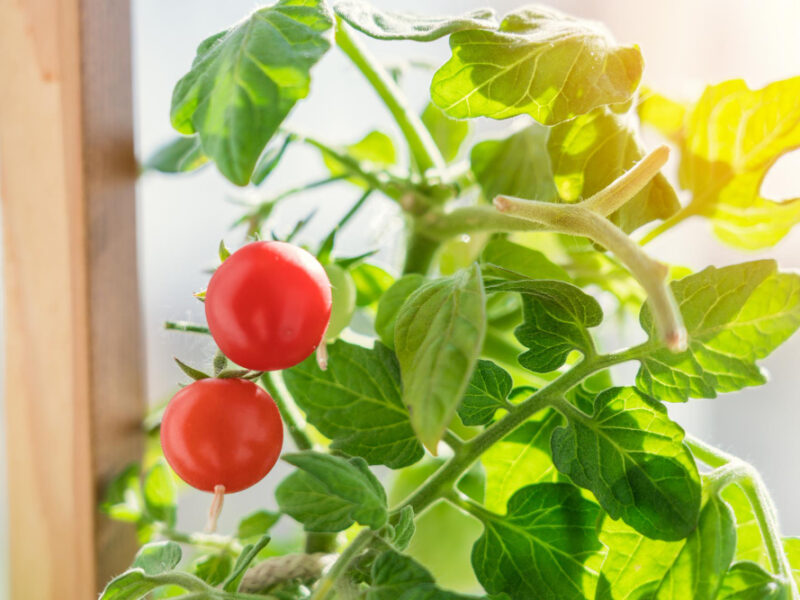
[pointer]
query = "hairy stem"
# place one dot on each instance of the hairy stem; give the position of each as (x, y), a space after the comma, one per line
(186, 326)
(296, 431)
(652, 275)
(680, 216)
(420, 251)
(326, 586)
(730, 469)
(424, 151)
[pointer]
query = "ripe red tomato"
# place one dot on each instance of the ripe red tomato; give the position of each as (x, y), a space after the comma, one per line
(221, 432)
(268, 305)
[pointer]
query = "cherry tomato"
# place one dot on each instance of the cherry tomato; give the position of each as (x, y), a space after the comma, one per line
(343, 292)
(221, 432)
(268, 305)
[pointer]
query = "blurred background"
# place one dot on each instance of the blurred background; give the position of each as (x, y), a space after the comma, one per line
(686, 44)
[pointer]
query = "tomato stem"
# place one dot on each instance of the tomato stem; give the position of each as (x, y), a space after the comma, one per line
(296, 431)
(215, 509)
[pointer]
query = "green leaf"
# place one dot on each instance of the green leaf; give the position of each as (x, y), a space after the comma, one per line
(519, 459)
(637, 567)
(249, 553)
(256, 524)
(157, 558)
(518, 165)
(447, 133)
(331, 493)
(632, 458)
(399, 577)
(733, 137)
(135, 584)
(404, 528)
(270, 159)
(195, 374)
(508, 260)
(161, 494)
(123, 500)
(245, 80)
(544, 547)
(388, 25)
(750, 544)
(540, 62)
(375, 149)
(556, 317)
(791, 546)
(438, 338)
(591, 151)
(357, 403)
(748, 581)
(734, 316)
(213, 568)
(181, 155)
(487, 392)
(391, 302)
(371, 282)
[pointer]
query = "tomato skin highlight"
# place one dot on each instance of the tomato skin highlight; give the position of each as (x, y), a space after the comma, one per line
(268, 305)
(221, 432)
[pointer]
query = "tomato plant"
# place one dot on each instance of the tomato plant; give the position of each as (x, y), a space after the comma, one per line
(524, 463)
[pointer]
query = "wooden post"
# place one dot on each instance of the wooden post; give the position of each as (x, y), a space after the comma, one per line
(73, 371)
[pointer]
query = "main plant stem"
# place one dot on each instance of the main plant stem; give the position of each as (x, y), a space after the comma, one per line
(730, 469)
(424, 152)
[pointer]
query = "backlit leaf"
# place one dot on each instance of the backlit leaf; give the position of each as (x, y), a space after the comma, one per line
(539, 62)
(486, 393)
(245, 80)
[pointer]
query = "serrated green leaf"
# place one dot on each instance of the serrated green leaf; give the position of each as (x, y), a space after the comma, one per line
(181, 155)
(486, 392)
(748, 581)
(447, 133)
(389, 25)
(357, 403)
(734, 316)
(519, 459)
(639, 568)
(591, 151)
(508, 260)
(518, 165)
(245, 80)
(632, 458)
(438, 337)
(399, 577)
(391, 302)
(539, 62)
(371, 282)
(556, 317)
(519, 554)
(123, 500)
(256, 524)
(213, 568)
(330, 493)
(161, 494)
(733, 137)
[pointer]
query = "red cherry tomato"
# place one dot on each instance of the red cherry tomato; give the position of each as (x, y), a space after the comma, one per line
(221, 432)
(268, 305)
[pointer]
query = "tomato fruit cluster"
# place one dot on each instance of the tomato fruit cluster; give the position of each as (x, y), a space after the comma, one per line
(268, 307)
